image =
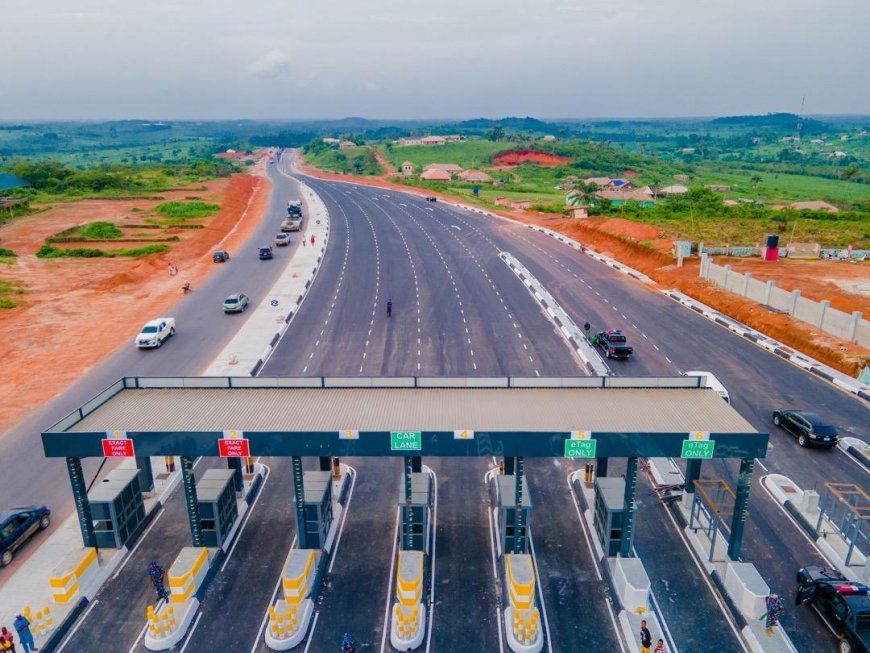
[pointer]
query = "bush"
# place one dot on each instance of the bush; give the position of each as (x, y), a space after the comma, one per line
(48, 251)
(99, 231)
(7, 253)
(139, 251)
(186, 209)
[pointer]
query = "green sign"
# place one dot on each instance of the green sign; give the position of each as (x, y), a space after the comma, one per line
(580, 448)
(698, 448)
(406, 440)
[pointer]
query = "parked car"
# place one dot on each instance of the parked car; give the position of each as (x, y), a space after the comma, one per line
(265, 253)
(431, 198)
(282, 239)
(16, 527)
(236, 303)
(808, 428)
(220, 256)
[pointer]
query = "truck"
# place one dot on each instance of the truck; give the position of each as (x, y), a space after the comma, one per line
(844, 606)
(294, 208)
(613, 343)
(155, 332)
(293, 221)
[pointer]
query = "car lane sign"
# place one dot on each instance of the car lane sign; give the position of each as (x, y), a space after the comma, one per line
(406, 440)
(117, 445)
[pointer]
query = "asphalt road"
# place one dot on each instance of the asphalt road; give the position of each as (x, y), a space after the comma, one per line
(188, 353)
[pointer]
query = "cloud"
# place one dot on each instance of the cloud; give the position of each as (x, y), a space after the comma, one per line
(272, 64)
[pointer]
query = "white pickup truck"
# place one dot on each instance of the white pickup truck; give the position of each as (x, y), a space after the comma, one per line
(155, 332)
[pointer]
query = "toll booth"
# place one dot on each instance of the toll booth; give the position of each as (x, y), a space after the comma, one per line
(421, 500)
(610, 514)
(117, 508)
(218, 510)
(507, 512)
(318, 507)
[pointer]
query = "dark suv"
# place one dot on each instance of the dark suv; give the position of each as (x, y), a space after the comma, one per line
(16, 527)
(265, 253)
(808, 428)
(844, 606)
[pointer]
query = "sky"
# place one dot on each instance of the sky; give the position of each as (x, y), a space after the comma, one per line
(394, 59)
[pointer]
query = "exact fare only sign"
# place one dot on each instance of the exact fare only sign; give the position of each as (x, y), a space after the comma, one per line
(233, 445)
(116, 447)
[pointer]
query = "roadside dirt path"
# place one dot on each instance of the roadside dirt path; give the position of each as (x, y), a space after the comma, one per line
(846, 285)
(52, 330)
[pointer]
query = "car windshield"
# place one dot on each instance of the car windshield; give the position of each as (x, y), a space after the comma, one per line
(231, 300)
(149, 329)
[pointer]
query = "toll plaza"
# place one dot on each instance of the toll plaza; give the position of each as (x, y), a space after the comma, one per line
(509, 418)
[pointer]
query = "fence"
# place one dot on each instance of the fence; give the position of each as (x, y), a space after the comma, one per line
(820, 314)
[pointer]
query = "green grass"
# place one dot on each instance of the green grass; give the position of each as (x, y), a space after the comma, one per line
(357, 160)
(88, 231)
(8, 291)
(49, 251)
(183, 210)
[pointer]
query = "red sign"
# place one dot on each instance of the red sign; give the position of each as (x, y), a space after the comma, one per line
(118, 447)
(234, 447)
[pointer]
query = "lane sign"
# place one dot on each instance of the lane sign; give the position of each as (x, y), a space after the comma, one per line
(575, 448)
(348, 434)
(406, 440)
(234, 447)
(698, 449)
(464, 434)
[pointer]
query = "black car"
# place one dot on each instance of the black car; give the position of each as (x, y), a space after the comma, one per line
(220, 256)
(16, 527)
(844, 606)
(431, 198)
(808, 428)
(265, 253)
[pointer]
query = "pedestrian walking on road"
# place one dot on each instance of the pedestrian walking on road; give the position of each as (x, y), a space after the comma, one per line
(645, 637)
(312, 239)
(22, 627)
(660, 647)
(303, 242)
(157, 575)
(774, 608)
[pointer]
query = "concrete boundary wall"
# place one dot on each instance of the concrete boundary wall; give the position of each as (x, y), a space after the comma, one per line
(851, 327)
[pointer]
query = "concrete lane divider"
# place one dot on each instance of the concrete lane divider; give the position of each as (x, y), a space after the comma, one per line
(522, 619)
(77, 570)
(568, 329)
(408, 623)
(257, 338)
(168, 624)
(290, 616)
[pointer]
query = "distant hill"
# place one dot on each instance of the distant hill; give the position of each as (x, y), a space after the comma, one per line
(781, 121)
(528, 124)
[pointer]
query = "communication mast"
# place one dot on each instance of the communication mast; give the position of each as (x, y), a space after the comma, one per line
(800, 122)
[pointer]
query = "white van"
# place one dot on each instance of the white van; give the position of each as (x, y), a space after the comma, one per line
(710, 381)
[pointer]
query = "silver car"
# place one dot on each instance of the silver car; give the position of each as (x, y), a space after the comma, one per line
(236, 303)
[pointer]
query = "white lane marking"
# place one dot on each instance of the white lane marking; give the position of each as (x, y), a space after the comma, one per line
(432, 558)
(271, 601)
(189, 635)
(540, 590)
(247, 516)
(78, 625)
(760, 464)
(494, 572)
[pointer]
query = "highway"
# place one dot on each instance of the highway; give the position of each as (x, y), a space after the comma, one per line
(459, 311)
(187, 353)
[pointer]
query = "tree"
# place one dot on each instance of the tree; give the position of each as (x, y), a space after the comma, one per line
(496, 134)
(850, 173)
(755, 179)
